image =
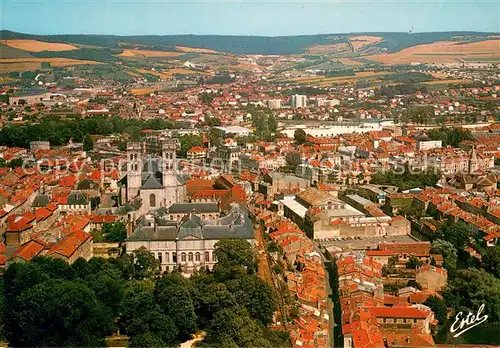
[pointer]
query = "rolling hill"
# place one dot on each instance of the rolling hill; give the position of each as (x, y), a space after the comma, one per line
(387, 42)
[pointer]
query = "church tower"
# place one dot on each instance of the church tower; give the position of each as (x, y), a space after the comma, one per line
(134, 168)
(174, 189)
(473, 165)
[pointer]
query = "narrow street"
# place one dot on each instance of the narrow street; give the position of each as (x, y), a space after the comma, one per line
(264, 270)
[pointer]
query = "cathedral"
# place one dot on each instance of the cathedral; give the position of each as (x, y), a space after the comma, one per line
(475, 178)
(152, 175)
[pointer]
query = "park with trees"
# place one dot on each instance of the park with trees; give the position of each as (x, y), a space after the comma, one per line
(48, 302)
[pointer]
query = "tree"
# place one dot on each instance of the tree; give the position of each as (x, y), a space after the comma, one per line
(173, 293)
(393, 261)
(448, 251)
(470, 288)
(214, 137)
(41, 316)
(491, 260)
(88, 143)
(456, 233)
(188, 141)
(414, 262)
(256, 295)
(141, 314)
(145, 264)
(207, 98)
(177, 303)
(115, 232)
(236, 252)
(411, 211)
(16, 162)
(94, 202)
(438, 306)
(108, 288)
(211, 298)
(300, 136)
(233, 327)
(450, 136)
(3, 300)
(146, 340)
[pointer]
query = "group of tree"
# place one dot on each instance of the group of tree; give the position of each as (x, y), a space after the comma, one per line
(418, 115)
(59, 131)
(110, 233)
(399, 89)
(458, 234)
(450, 136)
(51, 303)
(188, 141)
(264, 123)
(300, 136)
(405, 178)
(13, 163)
(207, 98)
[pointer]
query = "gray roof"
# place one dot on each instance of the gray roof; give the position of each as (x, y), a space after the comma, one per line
(77, 198)
(151, 183)
(180, 208)
(191, 227)
(235, 225)
(41, 200)
(152, 233)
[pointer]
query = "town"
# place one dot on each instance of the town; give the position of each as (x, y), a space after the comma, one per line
(249, 200)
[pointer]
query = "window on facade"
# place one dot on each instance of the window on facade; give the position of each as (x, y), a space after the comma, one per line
(167, 257)
(160, 257)
(174, 257)
(214, 257)
(197, 257)
(183, 257)
(152, 200)
(190, 257)
(207, 256)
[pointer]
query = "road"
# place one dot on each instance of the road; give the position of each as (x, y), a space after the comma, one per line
(264, 271)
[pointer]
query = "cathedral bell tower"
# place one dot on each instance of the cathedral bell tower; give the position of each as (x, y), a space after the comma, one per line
(473, 165)
(169, 171)
(134, 168)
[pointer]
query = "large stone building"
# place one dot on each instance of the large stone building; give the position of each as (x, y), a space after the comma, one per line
(188, 244)
(153, 176)
(323, 216)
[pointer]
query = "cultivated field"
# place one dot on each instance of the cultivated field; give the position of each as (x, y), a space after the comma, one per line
(194, 50)
(166, 74)
(27, 64)
(358, 42)
(349, 61)
(142, 91)
(326, 81)
(329, 49)
(442, 52)
(148, 54)
(449, 81)
(38, 46)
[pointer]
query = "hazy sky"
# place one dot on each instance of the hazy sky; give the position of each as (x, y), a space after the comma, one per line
(270, 17)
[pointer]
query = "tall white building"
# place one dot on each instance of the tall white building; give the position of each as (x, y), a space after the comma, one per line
(299, 101)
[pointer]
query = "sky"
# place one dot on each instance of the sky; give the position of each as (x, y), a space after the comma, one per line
(247, 17)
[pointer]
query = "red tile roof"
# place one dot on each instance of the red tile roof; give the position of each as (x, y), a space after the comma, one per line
(28, 250)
